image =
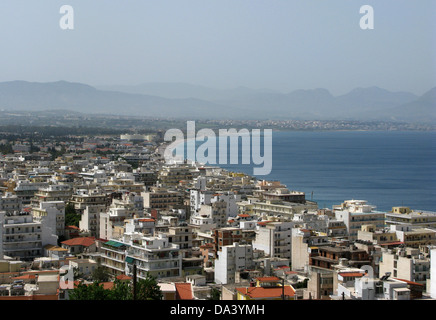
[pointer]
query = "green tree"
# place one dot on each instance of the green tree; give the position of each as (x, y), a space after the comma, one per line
(72, 218)
(301, 284)
(121, 291)
(148, 289)
(215, 294)
(100, 274)
(93, 291)
(6, 148)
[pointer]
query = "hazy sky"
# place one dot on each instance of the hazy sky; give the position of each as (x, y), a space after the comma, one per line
(276, 44)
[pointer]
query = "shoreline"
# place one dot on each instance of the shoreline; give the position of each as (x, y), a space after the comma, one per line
(298, 183)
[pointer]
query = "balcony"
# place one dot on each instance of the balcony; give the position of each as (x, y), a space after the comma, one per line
(23, 240)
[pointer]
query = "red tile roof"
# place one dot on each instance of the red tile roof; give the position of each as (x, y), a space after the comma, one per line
(282, 267)
(351, 274)
(80, 241)
(72, 227)
(107, 285)
(268, 279)
(183, 291)
(410, 282)
(391, 243)
(25, 277)
(260, 292)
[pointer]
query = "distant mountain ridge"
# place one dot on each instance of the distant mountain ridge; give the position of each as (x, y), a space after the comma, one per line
(179, 100)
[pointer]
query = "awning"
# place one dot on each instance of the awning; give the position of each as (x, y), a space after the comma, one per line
(129, 259)
(114, 244)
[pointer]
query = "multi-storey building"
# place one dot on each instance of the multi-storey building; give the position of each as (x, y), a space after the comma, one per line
(147, 177)
(53, 192)
(25, 190)
(51, 214)
(10, 203)
(172, 175)
(113, 218)
(206, 197)
(226, 237)
(274, 238)
(23, 237)
(152, 255)
(113, 256)
(281, 208)
(123, 182)
(83, 199)
(303, 242)
(232, 259)
(327, 256)
(406, 263)
(161, 198)
(145, 225)
(406, 216)
(90, 220)
(284, 194)
(181, 236)
(214, 213)
(415, 236)
(376, 236)
(356, 213)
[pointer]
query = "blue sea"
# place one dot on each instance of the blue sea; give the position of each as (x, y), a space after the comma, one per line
(386, 168)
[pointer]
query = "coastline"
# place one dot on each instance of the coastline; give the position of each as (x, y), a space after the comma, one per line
(389, 179)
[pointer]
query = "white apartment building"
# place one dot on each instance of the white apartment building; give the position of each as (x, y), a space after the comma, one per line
(25, 190)
(110, 219)
(146, 226)
(356, 213)
(406, 216)
(303, 240)
(23, 237)
(275, 238)
(52, 215)
(90, 221)
(118, 211)
(54, 192)
(198, 198)
(153, 255)
(414, 236)
(214, 213)
(231, 260)
(206, 197)
(367, 288)
(406, 264)
(10, 203)
(203, 223)
(84, 198)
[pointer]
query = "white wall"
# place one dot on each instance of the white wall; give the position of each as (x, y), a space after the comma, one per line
(433, 273)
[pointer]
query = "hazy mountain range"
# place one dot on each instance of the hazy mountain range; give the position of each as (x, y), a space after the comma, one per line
(179, 100)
